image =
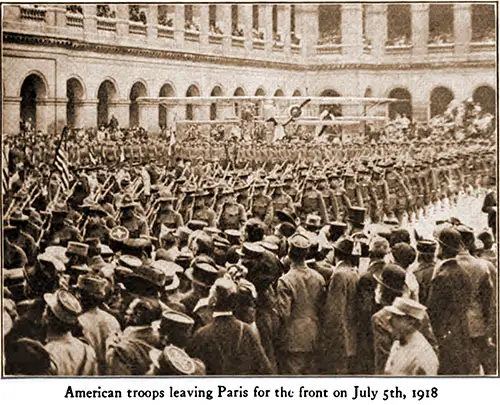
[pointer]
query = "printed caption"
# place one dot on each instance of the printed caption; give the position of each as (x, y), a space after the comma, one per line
(356, 392)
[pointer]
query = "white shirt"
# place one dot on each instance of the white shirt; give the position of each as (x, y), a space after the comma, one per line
(415, 357)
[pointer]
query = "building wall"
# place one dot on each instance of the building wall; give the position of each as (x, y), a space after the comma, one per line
(55, 51)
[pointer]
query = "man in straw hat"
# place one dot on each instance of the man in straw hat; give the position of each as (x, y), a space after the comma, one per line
(411, 353)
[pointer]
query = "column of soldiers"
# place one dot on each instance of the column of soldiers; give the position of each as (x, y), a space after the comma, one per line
(247, 264)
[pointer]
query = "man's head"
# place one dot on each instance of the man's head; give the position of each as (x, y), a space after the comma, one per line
(406, 317)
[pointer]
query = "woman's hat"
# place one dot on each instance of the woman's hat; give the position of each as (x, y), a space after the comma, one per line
(64, 305)
(407, 307)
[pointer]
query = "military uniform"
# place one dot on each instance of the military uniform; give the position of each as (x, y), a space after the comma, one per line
(262, 208)
(169, 218)
(232, 216)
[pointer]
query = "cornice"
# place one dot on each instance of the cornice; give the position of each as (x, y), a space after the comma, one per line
(78, 45)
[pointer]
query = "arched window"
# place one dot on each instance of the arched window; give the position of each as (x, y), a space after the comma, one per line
(335, 109)
(192, 91)
(486, 97)
(106, 93)
(165, 91)
(239, 92)
(216, 92)
(441, 97)
(32, 90)
(403, 107)
(441, 24)
(138, 90)
(74, 93)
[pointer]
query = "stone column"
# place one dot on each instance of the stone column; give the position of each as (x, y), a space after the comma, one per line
(11, 115)
(225, 110)
(51, 114)
(377, 15)
(308, 27)
(179, 25)
(204, 24)
(86, 113)
(245, 16)
(420, 111)
(462, 26)
(284, 26)
(267, 11)
(122, 19)
(89, 18)
(420, 28)
(352, 30)
(152, 22)
(60, 15)
(120, 109)
(148, 116)
(224, 11)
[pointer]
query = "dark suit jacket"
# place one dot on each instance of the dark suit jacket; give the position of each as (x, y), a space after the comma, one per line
(228, 346)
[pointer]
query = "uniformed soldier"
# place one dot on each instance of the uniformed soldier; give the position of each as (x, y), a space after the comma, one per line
(166, 215)
(135, 225)
(312, 202)
(61, 232)
(202, 210)
(331, 202)
(232, 215)
(261, 206)
(281, 199)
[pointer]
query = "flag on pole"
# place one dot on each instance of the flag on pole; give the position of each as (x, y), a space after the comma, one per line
(5, 170)
(61, 160)
(172, 141)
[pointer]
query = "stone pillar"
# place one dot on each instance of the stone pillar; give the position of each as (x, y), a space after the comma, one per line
(86, 113)
(224, 11)
(60, 15)
(148, 116)
(152, 22)
(120, 109)
(284, 26)
(179, 25)
(202, 111)
(11, 115)
(51, 114)
(352, 30)
(267, 12)
(419, 28)
(377, 14)
(420, 111)
(204, 24)
(308, 27)
(225, 110)
(462, 25)
(89, 18)
(245, 16)
(122, 19)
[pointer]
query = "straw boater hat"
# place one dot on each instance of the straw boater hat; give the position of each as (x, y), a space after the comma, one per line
(407, 307)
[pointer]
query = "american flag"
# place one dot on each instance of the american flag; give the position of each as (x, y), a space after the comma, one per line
(5, 170)
(61, 161)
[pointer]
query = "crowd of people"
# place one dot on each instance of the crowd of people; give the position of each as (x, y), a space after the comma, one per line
(242, 258)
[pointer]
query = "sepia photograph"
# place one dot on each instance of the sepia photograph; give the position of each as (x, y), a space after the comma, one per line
(249, 189)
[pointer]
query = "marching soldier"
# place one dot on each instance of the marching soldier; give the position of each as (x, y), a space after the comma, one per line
(166, 215)
(202, 210)
(312, 202)
(135, 225)
(331, 203)
(261, 205)
(232, 215)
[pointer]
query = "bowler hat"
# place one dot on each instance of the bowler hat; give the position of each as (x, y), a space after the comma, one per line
(285, 215)
(64, 305)
(450, 238)
(344, 245)
(392, 277)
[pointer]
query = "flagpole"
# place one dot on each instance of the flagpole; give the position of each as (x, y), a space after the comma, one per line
(58, 147)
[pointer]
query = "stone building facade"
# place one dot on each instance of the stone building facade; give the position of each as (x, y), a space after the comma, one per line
(81, 64)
